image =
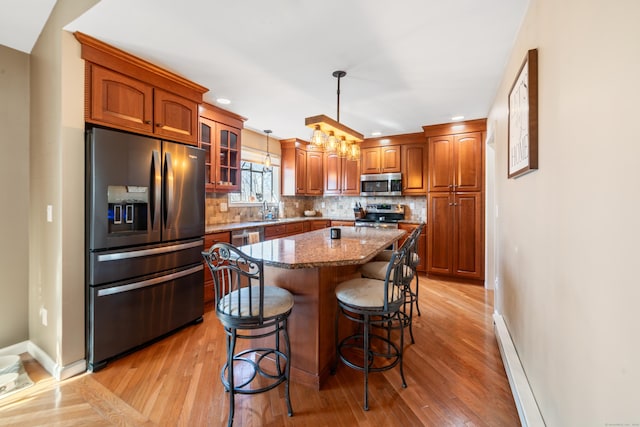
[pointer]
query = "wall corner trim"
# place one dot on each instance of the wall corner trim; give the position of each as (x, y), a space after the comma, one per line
(526, 404)
(58, 372)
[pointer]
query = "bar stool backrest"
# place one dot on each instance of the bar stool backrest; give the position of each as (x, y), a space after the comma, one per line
(238, 284)
(394, 291)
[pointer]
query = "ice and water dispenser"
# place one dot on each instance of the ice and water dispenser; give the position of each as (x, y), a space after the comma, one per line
(128, 208)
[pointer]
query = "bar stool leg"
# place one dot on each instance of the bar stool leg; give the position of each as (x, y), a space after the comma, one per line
(287, 368)
(366, 361)
(231, 345)
(417, 290)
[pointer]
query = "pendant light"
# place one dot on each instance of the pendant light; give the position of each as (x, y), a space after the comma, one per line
(267, 160)
(330, 134)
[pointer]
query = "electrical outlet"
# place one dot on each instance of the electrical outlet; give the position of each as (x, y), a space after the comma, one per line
(224, 207)
(49, 213)
(322, 205)
(412, 206)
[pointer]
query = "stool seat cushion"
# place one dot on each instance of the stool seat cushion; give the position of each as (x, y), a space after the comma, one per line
(378, 270)
(277, 301)
(362, 292)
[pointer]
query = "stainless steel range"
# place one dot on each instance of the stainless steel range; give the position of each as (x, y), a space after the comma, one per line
(381, 215)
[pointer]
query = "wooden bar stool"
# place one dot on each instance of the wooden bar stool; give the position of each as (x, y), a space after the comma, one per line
(243, 302)
(369, 303)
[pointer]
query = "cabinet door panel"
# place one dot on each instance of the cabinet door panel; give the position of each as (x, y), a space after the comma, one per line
(332, 173)
(301, 171)
(439, 234)
(176, 117)
(440, 163)
(468, 161)
(314, 173)
(390, 159)
(351, 177)
(468, 236)
(414, 169)
(207, 138)
(227, 163)
(120, 101)
(370, 160)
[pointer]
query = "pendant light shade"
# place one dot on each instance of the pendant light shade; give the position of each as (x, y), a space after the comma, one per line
(267, 167)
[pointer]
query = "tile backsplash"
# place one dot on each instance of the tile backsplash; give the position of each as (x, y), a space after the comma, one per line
(335, 207)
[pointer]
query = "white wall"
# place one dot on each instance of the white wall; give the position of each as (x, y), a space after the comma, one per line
(56, 248)
(14, 193)
(568, 234)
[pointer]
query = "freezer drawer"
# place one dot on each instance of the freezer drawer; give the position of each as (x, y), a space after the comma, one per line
(126, 315)
(111, 266)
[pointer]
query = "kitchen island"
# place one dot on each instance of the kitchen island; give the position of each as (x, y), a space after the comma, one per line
(310, 266)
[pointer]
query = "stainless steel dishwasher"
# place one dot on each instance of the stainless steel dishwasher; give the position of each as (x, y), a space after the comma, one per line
(247, 236)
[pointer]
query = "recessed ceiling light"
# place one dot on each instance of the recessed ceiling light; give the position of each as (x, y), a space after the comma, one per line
(456, 118)
(376, 133)
(223, 101)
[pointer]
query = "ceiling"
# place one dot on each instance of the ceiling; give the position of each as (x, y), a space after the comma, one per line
(415, 63)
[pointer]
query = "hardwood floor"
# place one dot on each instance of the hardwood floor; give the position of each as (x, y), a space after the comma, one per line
(454, 374)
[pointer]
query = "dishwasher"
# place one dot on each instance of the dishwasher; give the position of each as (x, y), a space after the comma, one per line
(247, 236)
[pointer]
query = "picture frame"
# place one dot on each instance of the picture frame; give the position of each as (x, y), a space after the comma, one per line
(522, 156)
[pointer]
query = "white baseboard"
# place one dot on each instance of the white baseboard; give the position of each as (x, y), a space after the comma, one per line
(58, 372)
(528, 410)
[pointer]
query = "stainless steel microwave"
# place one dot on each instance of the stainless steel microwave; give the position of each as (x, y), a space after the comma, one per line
(381, 184)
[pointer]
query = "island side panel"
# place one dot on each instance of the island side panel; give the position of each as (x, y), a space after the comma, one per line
(312, 320)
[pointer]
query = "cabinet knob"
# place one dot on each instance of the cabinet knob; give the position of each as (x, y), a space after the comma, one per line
(159, 125)
(147, 122)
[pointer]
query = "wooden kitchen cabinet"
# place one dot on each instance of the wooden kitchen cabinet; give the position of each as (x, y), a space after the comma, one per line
(337, 223)
(455, 241)
(221, 138)
(301, 168)
(126, 92)
(283, 230)
(380, 159)
(341, 175)
(129, 104)
(210, 240)
(414, 169)
(455, 162)
(317, 224)
(455, 200)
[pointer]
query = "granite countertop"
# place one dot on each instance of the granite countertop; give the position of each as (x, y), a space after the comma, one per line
(316, 248)
(231, 226)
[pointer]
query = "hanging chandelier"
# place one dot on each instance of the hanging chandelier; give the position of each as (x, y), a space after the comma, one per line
(331, 135)
(267, 160)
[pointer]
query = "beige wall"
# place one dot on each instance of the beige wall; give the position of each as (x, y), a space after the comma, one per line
(56, 260)
(567, 235)
(14, 193)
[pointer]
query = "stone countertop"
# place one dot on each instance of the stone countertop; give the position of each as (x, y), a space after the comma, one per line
(357, 245)
(231, 226)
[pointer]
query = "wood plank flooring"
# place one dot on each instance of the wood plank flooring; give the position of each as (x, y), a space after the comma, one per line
(454, 374)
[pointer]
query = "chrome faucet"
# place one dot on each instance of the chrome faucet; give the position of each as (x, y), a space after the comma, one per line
(267, 213)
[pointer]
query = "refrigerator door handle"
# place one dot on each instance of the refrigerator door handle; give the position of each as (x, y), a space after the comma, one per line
(149, 282)
(156, 183)
(146, 252)
(168, 188)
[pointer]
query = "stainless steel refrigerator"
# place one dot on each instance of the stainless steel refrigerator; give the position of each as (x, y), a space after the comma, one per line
(145, 227)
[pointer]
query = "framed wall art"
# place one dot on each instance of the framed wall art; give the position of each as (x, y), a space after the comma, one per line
(523, 118)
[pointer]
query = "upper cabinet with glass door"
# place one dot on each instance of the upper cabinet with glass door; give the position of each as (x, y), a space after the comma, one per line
(220, 136)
